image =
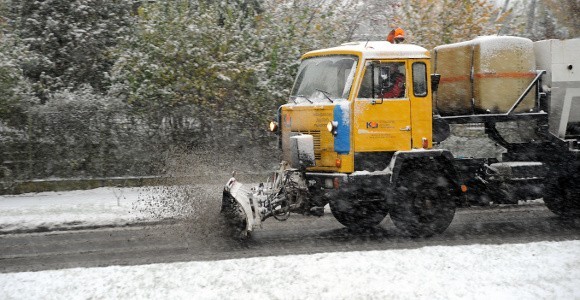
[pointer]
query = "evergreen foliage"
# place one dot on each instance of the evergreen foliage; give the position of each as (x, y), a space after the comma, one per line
(15, 89)
(67, 41)
(432, 23)
(229, 63)
(89, 87)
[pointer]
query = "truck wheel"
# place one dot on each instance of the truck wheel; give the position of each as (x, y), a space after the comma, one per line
(562, 197)
(358, 215)
(424, 204)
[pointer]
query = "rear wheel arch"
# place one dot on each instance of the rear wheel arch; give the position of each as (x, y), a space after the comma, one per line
(424, 193)
(438, 162)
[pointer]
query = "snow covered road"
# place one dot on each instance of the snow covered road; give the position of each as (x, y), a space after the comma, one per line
(507, 252)
(544, 270)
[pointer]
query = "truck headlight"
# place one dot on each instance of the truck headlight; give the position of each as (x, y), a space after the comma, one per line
(273, 126)
(332, 127)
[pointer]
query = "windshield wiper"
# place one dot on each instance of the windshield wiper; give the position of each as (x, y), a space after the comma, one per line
(302, 96)
(325, 93)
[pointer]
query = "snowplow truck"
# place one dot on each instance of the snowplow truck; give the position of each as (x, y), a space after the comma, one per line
(365, 124)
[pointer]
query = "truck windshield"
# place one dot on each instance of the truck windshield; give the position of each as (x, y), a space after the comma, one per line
(324, 79)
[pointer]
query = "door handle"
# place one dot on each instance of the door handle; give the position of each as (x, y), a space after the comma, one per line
(408, 128)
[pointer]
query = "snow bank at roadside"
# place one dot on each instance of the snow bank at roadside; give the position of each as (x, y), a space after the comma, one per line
(108, 206)
(57, 210)
(544, 270)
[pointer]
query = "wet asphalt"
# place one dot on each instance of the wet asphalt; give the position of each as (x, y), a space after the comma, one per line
(184, 240)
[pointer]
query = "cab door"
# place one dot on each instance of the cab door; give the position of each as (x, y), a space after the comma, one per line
(382, 119)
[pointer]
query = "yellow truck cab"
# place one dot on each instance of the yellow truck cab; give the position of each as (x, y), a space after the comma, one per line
(356, 115)
(342, 97)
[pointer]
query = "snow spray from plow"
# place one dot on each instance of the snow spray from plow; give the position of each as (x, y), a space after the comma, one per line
(244, 208)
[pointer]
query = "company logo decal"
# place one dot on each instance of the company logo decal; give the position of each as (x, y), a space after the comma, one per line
(372, 124)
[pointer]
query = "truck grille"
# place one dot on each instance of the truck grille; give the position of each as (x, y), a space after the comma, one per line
(316, 137)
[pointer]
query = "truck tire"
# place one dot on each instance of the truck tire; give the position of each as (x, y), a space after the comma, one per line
(562, 197)
(424, 201)
(358, 214)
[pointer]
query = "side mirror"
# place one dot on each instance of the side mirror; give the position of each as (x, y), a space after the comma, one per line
(435, 78)
(383, 78)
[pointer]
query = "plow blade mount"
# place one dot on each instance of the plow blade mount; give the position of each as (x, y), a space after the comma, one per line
(237, 208)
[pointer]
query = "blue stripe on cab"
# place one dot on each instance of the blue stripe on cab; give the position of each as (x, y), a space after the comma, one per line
(342, 138)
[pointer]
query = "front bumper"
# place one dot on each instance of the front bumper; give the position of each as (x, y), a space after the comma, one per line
(358, 182)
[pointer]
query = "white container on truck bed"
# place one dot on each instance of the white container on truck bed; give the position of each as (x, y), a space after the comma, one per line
(561, 60)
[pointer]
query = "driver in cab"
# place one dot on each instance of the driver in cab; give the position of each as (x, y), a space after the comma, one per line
(393, 81)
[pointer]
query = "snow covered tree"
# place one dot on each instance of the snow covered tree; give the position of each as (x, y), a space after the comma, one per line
(566, 14)
(193, 64)
(185, 64)
(374, 19)
(431, 23)
(544, 19)
(69, 41)
(16, 94)
(548, 19)
(508, 20)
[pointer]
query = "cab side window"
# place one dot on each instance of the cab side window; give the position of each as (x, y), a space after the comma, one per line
(383, 80)
(419, 79)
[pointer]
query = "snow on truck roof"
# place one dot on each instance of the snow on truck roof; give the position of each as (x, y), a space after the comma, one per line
(374, 49)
